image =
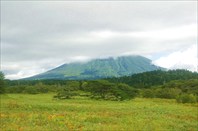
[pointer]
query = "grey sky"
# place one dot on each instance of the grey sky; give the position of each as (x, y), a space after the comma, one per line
(38, 36)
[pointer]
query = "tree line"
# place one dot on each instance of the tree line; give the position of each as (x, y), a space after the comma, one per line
(181, 85)
(154, 78)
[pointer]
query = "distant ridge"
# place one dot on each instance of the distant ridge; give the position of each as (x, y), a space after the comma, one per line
(99, 68)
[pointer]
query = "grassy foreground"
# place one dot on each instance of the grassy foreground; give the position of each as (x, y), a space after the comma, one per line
(41, 112)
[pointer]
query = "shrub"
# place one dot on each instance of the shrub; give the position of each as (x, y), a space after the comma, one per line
(99, 89)
(186, 98)
(169, 93)
(112, 97)
(31, 90)
(41, 88)
(108, 91)
(124, 92)
(66, 93)
(15, 89)
(148, 93)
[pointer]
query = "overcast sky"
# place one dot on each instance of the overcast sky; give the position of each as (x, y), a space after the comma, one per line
(38, 36)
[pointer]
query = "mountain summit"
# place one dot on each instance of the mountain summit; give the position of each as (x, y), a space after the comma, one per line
(99, 68)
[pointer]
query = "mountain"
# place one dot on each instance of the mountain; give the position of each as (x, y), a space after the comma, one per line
(99, 68)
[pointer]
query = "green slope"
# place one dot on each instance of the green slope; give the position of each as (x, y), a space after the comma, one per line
(100, 68)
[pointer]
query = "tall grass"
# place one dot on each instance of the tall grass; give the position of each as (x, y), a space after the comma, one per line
(41, 112)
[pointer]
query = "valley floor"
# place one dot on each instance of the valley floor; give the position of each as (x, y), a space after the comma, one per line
(24, 112)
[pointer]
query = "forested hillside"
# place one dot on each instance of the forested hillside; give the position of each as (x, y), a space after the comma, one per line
(152, 78)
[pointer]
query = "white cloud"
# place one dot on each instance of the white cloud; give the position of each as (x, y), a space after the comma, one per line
(180, 32)
(80, 59)
(183, 59)
(23, 74)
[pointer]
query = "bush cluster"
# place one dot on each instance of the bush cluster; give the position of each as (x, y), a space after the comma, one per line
(31, 89)
(99, 89)
(186, 98)
(185, 91)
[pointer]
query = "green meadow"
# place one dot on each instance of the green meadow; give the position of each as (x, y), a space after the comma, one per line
(40, 112)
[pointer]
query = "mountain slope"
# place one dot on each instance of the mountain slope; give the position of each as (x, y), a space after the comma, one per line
(99, 68)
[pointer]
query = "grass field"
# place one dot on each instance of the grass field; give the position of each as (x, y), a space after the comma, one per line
(41, 112)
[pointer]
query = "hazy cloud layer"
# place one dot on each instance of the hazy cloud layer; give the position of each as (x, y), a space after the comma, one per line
(38, 36)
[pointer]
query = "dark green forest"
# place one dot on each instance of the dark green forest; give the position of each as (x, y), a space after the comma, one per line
(154, 78)
(181, 85)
